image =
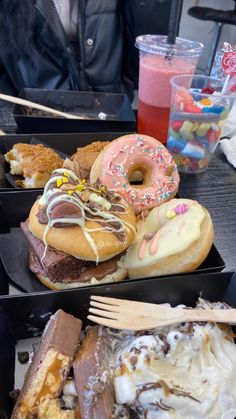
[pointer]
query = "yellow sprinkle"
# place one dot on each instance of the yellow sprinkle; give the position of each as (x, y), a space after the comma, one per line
(70, 192)
(205, 101)
(65, 174)
(170, 214)
(59, 182)
(65, 179)
(83, 181)
(102, 189)
(80, 188)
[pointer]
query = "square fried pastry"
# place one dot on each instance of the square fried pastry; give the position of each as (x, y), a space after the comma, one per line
(49, 368)
(20, 154)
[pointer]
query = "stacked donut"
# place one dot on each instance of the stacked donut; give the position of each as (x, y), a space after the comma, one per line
(173, 235)
(89, 225)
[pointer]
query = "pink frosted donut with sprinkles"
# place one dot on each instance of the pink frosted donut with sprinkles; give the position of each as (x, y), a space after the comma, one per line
(134, 154)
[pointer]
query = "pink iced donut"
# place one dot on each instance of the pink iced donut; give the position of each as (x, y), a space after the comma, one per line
(133, 153)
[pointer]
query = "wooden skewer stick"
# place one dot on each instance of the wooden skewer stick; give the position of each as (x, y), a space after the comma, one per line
(29, 104)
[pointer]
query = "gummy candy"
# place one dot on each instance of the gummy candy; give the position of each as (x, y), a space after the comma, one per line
(193, 135)
(176, 125)
(208, 90)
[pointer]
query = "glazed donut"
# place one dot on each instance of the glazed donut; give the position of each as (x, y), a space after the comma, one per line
(117, 163)
(175, 237)
(96, 224)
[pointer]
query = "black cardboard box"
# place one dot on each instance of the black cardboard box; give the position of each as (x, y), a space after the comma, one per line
(64, 143)
(25, 315)
(14, 208)
(119, 113)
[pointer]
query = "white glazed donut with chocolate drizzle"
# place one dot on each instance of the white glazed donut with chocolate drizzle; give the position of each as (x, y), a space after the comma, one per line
(118, 162)
(87, 222)
(175, 237)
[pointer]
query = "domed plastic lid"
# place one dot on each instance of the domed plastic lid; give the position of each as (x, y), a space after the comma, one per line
(157, 44)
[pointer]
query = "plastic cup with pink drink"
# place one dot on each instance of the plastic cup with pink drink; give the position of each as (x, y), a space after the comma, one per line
(198, 112)
(159, 62)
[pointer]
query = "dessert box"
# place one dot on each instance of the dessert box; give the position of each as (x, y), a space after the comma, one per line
(15, 207)
(116, 109)
(25, 316)
(65, 144)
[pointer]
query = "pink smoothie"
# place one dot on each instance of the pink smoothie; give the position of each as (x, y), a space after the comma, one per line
(155, 73)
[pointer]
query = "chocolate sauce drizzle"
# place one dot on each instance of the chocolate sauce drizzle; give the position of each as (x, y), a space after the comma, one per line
(69, 201)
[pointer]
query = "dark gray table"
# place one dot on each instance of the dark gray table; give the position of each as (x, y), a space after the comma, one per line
(215, 189)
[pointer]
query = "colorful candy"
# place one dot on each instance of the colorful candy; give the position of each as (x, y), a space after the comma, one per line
(183, 98)
(195, 126)
(192, 109)
(174, 133)
(203, 128)
(207, 90)
(177, 125)
(213, 109)
(193, 136)
(186, 130)
(193, 150)
(205, 101)
(175, 145)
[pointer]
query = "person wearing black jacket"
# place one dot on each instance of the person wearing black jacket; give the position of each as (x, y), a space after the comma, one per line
(75, 44)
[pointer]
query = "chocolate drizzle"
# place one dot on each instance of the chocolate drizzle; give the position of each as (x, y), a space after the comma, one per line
(161, 405)
(68, 201)
(167, 390)
(76, 201)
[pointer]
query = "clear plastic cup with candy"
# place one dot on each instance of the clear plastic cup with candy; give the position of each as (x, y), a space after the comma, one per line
(198, 112)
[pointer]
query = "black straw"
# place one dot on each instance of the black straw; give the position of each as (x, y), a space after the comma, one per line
(173, 27)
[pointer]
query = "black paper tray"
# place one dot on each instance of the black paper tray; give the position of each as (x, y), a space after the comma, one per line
(18, 272)
(120, 115)
(26, 315)
(64, 143)
(14, 208)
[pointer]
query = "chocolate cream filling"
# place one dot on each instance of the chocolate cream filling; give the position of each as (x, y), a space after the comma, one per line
(59, 266)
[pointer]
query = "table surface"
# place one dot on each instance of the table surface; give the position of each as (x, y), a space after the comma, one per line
(215, 189)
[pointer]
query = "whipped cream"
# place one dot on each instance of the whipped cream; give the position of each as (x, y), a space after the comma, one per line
(185, 371)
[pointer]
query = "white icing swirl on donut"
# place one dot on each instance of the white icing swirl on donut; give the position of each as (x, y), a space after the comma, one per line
(103, 210)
